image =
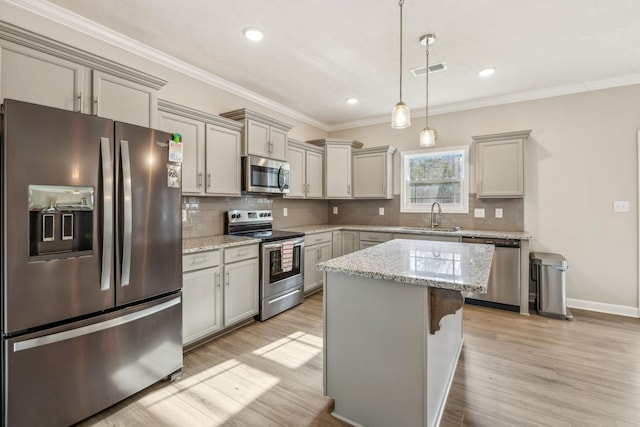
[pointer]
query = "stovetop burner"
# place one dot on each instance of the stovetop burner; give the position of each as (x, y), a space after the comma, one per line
(256, 224)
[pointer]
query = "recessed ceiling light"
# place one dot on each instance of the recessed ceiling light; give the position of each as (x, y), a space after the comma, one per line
(487, 72)
(253, 34)
(352, 100)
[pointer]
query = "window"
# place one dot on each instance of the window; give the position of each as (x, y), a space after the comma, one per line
(435, 175)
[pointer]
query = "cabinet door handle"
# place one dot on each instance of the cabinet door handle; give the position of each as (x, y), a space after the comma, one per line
(79, 110)
(226, 276)
(267, 146)
(200, 179)
(348, 188)
(97, 107)
(208, 180)
(218, 279)
(318, 255)
(271, 147)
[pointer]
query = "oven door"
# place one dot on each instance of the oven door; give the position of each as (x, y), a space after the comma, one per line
(261, 175)
(282, 266)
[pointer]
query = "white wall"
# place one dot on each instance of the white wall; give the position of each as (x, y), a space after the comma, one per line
(580, 157)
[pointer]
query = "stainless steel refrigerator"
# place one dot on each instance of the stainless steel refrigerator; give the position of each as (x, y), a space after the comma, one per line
(91, 263)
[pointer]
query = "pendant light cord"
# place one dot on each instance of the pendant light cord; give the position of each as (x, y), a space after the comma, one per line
(426, 107)
(400, 2)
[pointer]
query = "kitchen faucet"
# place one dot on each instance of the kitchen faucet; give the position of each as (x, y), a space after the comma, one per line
(439, 215)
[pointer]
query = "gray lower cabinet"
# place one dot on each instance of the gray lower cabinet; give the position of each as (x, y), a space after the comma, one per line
(317, 248)
(372, 238)
(218, 294)
(201, 295)
(241, 279)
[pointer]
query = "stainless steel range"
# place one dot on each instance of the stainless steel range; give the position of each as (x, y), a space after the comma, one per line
(281, 259)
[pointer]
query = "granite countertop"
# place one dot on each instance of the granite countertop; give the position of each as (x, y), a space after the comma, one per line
(495, 234)
(447, 265)
(200, 244)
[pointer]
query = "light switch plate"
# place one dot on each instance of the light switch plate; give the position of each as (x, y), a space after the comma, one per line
(498, 212)
(478, 212)
(621, 206)
(184, 215)
(285, 211)
(380, 211)
(335, 210)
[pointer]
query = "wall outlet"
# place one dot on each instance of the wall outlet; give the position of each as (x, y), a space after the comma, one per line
(380, 211)
(285, 211)
(621, 206)
(335, 210)
(498, 212)
(478, 212)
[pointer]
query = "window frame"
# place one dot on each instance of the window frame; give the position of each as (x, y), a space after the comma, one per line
(407, 207)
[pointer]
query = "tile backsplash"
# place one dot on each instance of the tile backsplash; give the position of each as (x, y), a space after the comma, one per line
(367, 212)
(205, 215)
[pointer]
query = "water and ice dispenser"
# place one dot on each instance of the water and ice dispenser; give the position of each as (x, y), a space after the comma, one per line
(60, 221)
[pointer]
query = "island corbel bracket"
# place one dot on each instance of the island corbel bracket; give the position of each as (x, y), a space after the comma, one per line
(441, 303)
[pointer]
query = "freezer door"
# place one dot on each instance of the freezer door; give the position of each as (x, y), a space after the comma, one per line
(149, 228)
(61, 376)
(44, 146)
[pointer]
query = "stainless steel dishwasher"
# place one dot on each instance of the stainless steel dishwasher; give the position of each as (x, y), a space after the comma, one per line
(503, 289)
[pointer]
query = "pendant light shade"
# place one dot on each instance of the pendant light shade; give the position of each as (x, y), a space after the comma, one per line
(400, 115)
(428, 136)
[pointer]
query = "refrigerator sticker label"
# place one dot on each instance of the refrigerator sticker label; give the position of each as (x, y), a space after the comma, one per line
(175, 152)
(173, 176)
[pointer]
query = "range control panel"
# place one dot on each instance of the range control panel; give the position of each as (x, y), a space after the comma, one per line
(249, 217)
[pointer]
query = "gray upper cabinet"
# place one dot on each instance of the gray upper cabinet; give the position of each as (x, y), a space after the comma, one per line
(500, 164)
(43, 71)
(211, 149)
(306, 162)
(32, 76)
(123, 100)
(373, 173)
(337, 166)
(263, 136)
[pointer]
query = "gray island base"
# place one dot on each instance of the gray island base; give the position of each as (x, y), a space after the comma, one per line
(393, 328)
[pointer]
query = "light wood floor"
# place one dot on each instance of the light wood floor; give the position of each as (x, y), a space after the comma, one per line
(514, 371)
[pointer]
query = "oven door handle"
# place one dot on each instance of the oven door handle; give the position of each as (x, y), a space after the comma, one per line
(278, 245)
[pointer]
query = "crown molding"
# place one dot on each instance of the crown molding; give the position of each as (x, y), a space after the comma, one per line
(532, 95)
(104, 34)
(93, 29)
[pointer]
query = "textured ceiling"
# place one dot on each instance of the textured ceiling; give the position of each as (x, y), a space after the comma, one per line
(316, 53)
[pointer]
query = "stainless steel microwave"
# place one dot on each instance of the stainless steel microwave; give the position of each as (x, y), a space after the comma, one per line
(260, 175)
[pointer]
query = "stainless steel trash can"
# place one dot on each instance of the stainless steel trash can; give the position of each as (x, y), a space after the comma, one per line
(548, 272)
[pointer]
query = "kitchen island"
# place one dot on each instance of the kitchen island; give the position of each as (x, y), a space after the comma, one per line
(393, 328)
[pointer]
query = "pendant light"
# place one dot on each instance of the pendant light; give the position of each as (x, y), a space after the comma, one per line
(427, 136)
(400, 115)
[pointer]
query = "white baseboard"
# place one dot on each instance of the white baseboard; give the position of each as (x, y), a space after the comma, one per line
(620, 310)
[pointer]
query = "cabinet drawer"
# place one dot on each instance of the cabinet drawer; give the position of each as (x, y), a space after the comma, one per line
(240, 253)
(199, 260)
(374, 236)
(315, 239)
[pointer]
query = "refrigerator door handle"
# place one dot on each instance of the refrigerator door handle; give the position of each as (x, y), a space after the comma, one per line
(89, 329)
(128, 213)
(107, 203)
